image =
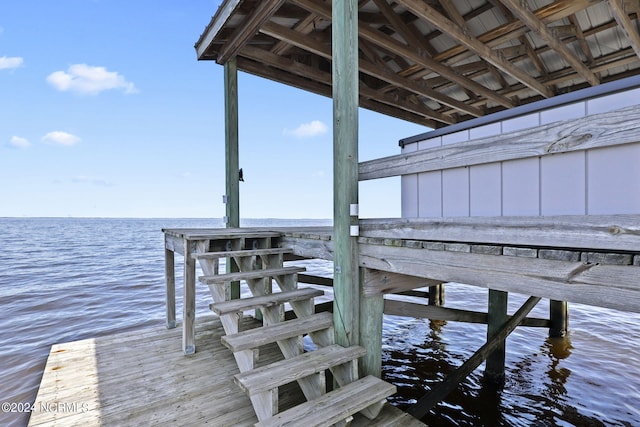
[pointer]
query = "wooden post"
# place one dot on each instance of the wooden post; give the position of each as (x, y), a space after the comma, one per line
(232, 162)
(559, 318)
(189, 300)
(497, 317)
(371, 313)
(170, 277)
(345, 169)
(436, 295)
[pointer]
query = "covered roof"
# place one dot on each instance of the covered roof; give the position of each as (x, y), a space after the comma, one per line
(435, 62)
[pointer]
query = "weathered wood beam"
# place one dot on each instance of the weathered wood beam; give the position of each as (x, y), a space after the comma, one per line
(627, 27)
(306, 26)
(609, 286)
(384, 282)
(249, 27)
(595, 232)
(536, 25)
(252, 67)
(441, 390)
(422, 311)
(582, 42)
(599, 130)
(401, 27)
(393, 45)
(399, 113)
(429, 14)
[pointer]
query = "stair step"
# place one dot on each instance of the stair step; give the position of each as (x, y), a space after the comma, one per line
(269, 300)
(335, 405)
(242, 253)
(285, 371)
(254, 338)
(253, 274)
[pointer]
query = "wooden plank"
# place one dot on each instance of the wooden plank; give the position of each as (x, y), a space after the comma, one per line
(242, 253)
(257, 337)
(244, 304)
(110, 374)
(286, 371)
(598, 232)
(441, 390)
(598, 130)
(334, 406)
(609, 286)
(315, 280)
(249, 275)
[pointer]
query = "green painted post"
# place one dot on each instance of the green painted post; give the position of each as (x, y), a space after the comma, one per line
(371, 316)
(345, 169)
(232, 162)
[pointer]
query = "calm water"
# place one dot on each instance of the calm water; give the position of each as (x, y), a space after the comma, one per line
(70, 279)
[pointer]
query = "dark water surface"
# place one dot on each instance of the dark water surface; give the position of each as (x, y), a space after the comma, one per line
(70, 279)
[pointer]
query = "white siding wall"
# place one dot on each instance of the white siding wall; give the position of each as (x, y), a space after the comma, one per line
(597, 181)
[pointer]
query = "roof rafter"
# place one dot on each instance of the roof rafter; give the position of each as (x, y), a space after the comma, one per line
(419, 88)
(302, 70)
(421, 58)
(621, 17)
(495, 37)
(429, 14)
(530, 20)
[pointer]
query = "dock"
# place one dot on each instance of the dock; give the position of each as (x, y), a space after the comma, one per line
(141, 377)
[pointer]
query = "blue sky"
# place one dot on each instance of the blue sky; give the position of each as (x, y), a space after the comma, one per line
(105, 112)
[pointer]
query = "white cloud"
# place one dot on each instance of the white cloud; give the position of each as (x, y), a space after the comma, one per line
(89, 80)
(91, 180)
(61, 138)
(10, 62)
(19, 142)
(308, 130)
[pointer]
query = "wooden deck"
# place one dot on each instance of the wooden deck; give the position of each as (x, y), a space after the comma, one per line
(143, 378)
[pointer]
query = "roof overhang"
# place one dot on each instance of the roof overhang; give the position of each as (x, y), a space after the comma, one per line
(435, 62)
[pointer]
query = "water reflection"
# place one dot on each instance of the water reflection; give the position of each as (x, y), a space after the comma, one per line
(418, 354)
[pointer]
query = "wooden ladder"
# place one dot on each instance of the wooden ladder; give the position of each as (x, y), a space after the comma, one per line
(259, 264)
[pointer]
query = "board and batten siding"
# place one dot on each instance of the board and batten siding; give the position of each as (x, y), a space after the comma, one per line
(594, 181)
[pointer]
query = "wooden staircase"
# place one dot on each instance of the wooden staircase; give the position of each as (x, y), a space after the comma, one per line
(259, 265)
